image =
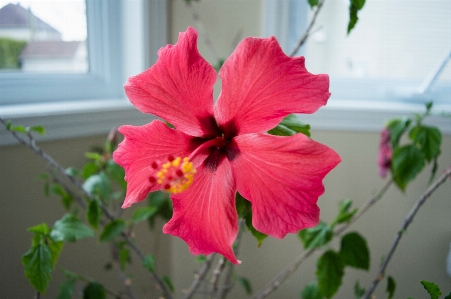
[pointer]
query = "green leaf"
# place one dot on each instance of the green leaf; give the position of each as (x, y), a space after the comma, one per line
(407, 162)
(143, 213)
(219, 64)
(391, 287)
(163, 203)
(66, 199)
(397, 127)
(317, 236)
(311, 291)
(112, 230)
(245, 211)
(94, 290)
(89, 169)
(432, 288)
(201, 259)
(344, 213)
(428, 139)
(448, 296)
(358, 3)
(70, 229)
(168, 282)
(124, 257)
(98, 184)
(358, 290)
(72, 171)
(55, 250)
(38, 129)
(93, 213)
(329, 273)
(149, 263)
(20, 129)
(38, 266)
(67, 289)
(354, 251)
(93, 156)
(290, 125)
(41, 229)
(117, 173)
(246, 284)
(313, 3)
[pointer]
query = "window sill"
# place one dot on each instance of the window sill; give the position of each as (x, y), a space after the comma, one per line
(78, 119)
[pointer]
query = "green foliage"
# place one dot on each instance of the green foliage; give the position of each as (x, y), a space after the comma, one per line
(94, 290)
(311, 291)
(391, 287)
(408, 160)
(66, 198)
(246, 284)
(149, 263)
(10, 50)
(329, 273)
(143, 213)
(354, 8)
(313, 3)
(98, 184)
(124, 255)
(93, 213)
(168, 282)
(67, 289)
(219, 64)
(163, 204)
(345, 213)
(317, 236)
(358, 290)
(244, 209)
(70, 229)
(354, 251)
(432, 288)
(112, 230)
(290, 125)
(39, 261)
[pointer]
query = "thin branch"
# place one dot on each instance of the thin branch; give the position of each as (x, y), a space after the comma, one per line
(309, 28)
(30, 143)
(216, 275)
(294, 265)
(405, 225)
(228, 272)
(199, 277)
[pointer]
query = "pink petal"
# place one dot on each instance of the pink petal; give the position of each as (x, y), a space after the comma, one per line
(178, 87)
(140, 148)
(385, 153)
(282, 178)
(204, 215)
(261, 85)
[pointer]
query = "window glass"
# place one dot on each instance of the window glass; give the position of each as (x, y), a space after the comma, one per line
(43, 36)
(389, 55)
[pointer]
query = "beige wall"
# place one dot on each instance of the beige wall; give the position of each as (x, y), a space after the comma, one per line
(421, 255)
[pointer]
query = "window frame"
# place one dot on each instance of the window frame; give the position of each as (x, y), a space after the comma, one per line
(134, 31)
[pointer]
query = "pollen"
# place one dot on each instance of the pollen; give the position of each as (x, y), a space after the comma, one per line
(175, 175)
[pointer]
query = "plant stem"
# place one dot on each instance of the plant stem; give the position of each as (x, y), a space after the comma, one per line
(30, 143)
(309, 28)
(216, 275)
(294, 265)
(199, 277)
(405, 225)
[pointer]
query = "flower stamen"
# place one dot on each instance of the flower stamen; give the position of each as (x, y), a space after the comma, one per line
(176, 175)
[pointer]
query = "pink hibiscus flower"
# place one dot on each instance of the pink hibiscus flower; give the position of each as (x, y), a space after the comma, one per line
(220, 148)
(385, 153)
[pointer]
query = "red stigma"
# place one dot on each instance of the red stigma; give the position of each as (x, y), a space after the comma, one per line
(154, 165)
(152, 179)
(171, 158)
(179, 172)
(167, 186)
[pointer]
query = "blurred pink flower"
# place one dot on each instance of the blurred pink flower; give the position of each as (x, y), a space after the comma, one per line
(385, 153)
(225, 144)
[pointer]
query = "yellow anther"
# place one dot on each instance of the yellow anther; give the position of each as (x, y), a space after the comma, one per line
(175, 176)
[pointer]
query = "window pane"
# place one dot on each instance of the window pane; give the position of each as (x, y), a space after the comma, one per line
(43, 36)
(401, 40)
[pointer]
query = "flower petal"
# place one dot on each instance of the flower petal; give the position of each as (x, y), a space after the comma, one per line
(261, 85)
(178, 87)
(141, 147)
(205, 216)
(282, 178)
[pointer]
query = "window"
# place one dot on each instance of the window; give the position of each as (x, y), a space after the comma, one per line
(396, 58)
(120, 34)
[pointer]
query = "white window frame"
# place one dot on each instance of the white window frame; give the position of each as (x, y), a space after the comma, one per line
(123, 39)
(365, 108)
